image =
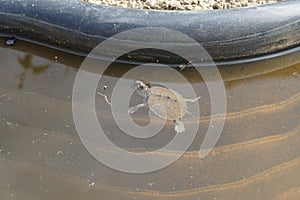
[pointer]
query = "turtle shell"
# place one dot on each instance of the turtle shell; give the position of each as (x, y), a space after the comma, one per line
(166, 103)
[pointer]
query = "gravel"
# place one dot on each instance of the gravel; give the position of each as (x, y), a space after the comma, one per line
(182, 4)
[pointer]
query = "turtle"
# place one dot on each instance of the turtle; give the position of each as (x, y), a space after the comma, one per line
(163, 102)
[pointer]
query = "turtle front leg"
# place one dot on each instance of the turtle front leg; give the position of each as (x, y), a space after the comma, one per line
(179, 126)
(135, 108)
(192, 100)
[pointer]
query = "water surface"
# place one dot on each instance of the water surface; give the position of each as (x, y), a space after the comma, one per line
(42, 157)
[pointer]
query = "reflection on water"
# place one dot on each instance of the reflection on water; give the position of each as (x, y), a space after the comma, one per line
(41, 156)
(27, 64)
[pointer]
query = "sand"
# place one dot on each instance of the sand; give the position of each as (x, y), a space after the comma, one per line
(182, 4)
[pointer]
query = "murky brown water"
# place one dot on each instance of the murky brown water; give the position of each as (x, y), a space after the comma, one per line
(42, 157)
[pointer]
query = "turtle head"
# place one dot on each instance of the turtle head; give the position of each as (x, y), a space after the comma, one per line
(142, 88)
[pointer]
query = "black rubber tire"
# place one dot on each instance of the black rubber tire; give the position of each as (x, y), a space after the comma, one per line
(78, 26)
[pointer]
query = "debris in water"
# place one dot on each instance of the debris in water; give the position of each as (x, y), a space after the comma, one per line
(11, 41)
(8, 123)
(59, 152)
(296, 74)
(105, 97)
(150, 184)
(3, 95)
(181, 67)
(91, 184)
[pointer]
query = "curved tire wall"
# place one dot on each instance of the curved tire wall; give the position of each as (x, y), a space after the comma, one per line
(78, 26)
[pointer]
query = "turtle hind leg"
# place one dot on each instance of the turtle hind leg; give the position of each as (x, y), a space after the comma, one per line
(192, 100)
(179, 126)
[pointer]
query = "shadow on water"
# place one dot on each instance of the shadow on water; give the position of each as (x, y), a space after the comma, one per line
(42, 157)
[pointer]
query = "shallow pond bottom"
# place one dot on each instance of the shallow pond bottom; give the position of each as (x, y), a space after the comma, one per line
(42, 155)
